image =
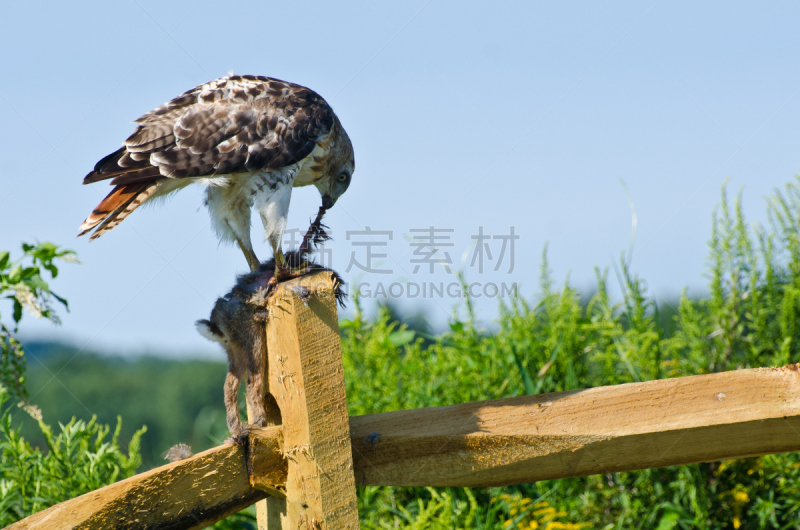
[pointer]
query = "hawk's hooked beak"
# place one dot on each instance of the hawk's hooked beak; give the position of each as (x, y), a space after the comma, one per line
(327, 200)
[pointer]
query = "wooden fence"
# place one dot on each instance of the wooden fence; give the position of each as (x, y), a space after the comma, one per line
(302, 471)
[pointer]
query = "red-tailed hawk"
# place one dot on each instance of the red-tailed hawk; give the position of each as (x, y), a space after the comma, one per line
(248, 139)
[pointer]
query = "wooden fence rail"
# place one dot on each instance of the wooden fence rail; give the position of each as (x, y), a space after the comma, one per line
(488, 443)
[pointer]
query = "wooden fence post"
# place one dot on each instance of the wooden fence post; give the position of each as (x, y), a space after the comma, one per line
(306, 380)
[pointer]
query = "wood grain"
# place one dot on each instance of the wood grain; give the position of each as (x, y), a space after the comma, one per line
(191, 493)
(566, 434)
(306, 378)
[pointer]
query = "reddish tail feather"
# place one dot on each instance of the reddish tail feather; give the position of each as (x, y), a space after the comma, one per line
(117, 206)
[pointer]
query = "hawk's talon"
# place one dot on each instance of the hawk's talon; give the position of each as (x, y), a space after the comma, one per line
(285, 273)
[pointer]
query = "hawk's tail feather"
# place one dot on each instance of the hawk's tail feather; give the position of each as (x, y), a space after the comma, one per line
(107, 162)
(117, 206)
(123, 168)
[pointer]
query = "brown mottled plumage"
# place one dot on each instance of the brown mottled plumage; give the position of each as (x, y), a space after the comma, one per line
(250, 139)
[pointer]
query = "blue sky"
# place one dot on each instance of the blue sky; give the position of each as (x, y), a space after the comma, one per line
(463, 115)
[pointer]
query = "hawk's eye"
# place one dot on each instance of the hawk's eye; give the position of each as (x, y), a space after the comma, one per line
(342, 177)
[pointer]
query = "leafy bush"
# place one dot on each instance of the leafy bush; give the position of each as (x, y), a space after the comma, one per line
(79, 460)
(21, 281)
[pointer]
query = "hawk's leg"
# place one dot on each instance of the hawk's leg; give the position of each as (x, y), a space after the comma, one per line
(272, 202)
(229, 207)
(249, 255)
(314, 236)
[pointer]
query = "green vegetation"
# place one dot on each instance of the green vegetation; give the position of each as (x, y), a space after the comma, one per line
(79, 459)
(751, 318)
(21, 282)
(179, 401)
(555, 342)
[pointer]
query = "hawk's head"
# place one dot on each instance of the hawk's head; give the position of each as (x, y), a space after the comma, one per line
(339, 168)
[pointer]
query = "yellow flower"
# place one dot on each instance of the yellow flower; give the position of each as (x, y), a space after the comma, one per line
(507, 523)
(736, 522)
(552, 515)
(514, 512)
(533, 525)
(741, 497)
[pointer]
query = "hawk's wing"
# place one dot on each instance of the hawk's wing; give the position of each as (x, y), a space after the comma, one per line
(233, 124)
